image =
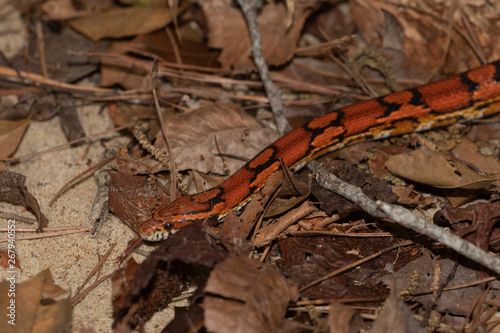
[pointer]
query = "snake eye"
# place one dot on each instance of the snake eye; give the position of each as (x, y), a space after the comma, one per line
(168, 226)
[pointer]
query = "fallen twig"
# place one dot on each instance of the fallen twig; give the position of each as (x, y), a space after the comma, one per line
(249, 9)
(405, 218)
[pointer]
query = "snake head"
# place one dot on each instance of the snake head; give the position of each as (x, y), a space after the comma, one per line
(154, 230)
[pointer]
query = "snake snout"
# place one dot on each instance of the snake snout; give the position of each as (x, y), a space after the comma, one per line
(153, 230)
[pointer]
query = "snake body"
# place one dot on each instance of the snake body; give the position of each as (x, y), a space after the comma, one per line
(469, 95)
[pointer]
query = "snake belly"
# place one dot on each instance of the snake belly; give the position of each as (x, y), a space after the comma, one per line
(469, 95)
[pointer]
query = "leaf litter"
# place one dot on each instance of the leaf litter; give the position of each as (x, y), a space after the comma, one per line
(204, 98)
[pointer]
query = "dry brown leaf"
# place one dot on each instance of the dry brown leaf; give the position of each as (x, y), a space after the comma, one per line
(11, 132)
(467, 150)
(408, 196)
(193, 138)
(380, 155)
(61, 10)
(426, 26)
(235, 230)
(343, 319)
(292, 192)
(431, 274)
(375, 188)
(165, 274)
(250, 297)
(475, 223)
(369, 18)
(112, 73)
(396, 317)
(228, 31)
(60, 62)
(120, 283)
(132, 197)
(185, 319)
(13, 191)
(305, 259)
(39, 305)
(458, 197)
(433, 168)
(204, 182)
(126, 113)
(122, 22)
(192, 51)
(485, 131)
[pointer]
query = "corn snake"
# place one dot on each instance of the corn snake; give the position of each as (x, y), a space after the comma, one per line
(469, 95)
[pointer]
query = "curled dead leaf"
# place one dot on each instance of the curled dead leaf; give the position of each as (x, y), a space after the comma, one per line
(15, 192)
